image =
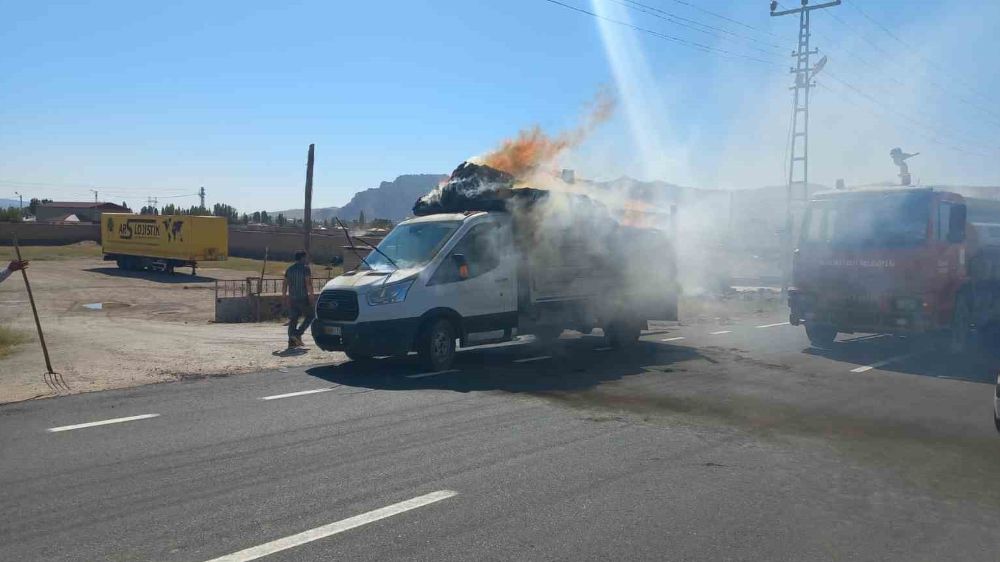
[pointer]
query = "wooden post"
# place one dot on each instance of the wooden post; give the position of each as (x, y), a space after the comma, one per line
(34, 312)
(260, 283)
(307, 212)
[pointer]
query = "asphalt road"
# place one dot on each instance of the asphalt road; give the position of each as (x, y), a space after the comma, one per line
(733, 442)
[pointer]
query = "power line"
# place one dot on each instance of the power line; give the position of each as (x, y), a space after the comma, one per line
(994, 117)
(706, 48)
(936, 131)
(689, 23)
(881, 114)
(678, 40)
(916, 51)
(726, 18)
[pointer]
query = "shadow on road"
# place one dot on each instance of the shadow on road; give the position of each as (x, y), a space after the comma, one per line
(574, 365)
(914, 356)
(155, 276)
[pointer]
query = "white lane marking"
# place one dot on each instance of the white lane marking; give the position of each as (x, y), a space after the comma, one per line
(774, 325)
(102, 422)
(431, 374)
(301, 393)
(678, 338)
(882, 363)
(530, 359)
(603, 348)
(253, 553)
(720, 332)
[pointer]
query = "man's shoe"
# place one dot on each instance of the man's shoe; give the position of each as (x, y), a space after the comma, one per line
(299, 342)
(292, 343)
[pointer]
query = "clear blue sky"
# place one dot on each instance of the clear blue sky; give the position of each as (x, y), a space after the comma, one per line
(145, 99)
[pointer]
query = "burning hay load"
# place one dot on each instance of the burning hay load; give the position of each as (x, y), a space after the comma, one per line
(478, 187)
(471, 187)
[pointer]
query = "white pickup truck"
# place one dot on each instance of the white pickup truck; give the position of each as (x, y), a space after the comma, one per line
(485, 277)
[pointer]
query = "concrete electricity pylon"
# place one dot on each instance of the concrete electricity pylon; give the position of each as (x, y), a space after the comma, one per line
(798, 166)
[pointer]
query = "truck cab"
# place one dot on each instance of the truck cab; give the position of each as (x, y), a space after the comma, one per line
(879, 261)
(455, 270)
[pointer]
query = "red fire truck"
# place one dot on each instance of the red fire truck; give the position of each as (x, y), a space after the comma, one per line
(898, 261)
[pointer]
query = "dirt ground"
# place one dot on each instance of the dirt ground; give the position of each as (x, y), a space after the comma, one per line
(151, 327)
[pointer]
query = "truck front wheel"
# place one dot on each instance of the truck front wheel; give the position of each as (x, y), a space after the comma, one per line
(820, 335)
(436, 347)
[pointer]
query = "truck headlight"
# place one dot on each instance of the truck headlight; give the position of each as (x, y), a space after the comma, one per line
(389, 294)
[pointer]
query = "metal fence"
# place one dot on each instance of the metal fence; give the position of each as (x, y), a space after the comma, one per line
(255, 286)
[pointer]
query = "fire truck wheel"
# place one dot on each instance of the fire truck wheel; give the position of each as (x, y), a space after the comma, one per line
(821, 335)
(436, 346)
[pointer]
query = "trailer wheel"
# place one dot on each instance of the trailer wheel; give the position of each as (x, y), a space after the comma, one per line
(436, 345)
(821, 335)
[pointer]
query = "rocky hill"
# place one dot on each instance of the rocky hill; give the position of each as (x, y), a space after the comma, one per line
(391, 200)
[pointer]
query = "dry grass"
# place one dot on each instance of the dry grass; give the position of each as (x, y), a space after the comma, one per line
(93, 250)
(46, 253)
(9, 339)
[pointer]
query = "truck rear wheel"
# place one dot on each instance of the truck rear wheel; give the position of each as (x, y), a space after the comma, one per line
(821, 335)
(547, 335)
(622, 333)
(436, 346)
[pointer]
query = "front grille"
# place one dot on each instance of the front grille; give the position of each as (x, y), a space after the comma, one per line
(337, 305)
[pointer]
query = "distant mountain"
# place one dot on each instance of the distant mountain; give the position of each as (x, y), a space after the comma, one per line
(390, 200)
(317, 214)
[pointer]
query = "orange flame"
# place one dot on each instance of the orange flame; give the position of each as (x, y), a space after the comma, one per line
(522, 156)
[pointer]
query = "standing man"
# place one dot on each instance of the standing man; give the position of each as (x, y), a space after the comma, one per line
(298, 292)
(11, 268)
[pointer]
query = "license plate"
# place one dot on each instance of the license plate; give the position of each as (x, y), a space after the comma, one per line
(331, 330)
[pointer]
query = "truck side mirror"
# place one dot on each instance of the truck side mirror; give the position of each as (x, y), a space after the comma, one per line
(462, 264)
(956, 224)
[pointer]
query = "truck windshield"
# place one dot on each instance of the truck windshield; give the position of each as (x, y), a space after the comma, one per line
(868, 221)
(412, 245)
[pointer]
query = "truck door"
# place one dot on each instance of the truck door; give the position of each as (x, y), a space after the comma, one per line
(477, 278)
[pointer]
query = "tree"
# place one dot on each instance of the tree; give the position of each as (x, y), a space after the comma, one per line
(381, 223)
(361, 218)
(281, 220)
(265, 218)
(34, 203)
(228, 211)
(10, 214)
(150, 210)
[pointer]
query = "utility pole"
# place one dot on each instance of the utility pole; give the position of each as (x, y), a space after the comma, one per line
(95, 195)
(201, 195)
(307, 211)
(20, 202)
(798, 166)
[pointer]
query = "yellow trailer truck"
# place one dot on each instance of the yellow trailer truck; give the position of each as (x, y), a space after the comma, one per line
(163, 242)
